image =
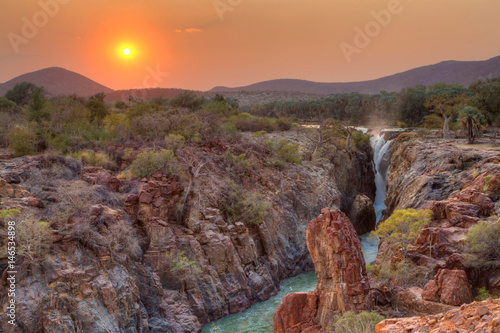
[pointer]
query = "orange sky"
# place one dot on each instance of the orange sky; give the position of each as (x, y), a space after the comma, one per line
(199, 44)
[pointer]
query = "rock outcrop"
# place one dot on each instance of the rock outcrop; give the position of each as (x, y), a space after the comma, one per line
(449, 287)
(454, 183)
(477, 317)
(102, 284)
(342, 280)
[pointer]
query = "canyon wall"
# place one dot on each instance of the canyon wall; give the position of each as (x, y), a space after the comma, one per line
(120, 248)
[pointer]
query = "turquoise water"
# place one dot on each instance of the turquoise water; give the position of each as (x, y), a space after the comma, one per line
(259, 318)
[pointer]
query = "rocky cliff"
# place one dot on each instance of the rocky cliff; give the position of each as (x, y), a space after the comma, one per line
(122, 258)
(342, 280)
(478, 317)
(451, 180)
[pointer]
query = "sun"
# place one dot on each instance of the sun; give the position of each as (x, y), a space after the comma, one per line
(126, 51)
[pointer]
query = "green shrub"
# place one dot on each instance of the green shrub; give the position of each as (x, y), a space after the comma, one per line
(93, 158)
(483, 243)
(483, 294)
(238, 163)
(149, 161)
(240, 205)
(403, 227)
(174, 141)
(360, 139)
(283, 152)
(6, 213)
(350, 322)
(259, 134)
(487, 182)
(370, 268)
(433, 121)
(402, 124)
(22, 140)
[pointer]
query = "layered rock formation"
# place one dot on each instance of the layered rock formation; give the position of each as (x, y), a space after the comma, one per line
(342, 280)
(90, 281)
(477, 317)
(453, 182)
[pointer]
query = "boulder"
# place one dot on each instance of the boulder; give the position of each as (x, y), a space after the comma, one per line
(340, 267)
(362, 214)
(450, 287)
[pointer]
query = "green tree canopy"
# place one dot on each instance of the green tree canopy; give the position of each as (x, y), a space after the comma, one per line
(22, 93)
(472, 121)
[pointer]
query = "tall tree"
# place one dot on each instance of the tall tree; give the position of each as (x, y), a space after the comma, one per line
(447, 106)
(37, 110)
(472, 122)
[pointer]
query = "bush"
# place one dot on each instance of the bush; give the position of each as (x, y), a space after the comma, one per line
(360, 139)
(238, 163)
(174, 141)
(283, 152)
(483, 294)
(93, 158)
(149, 161)
(350, 322)
(33, 238)
(483, 243)
(403, 227)
(240, 205)
(22, 140)
(259, 134)
(433, 121)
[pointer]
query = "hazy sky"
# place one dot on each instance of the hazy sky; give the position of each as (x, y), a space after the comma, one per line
(204, 43)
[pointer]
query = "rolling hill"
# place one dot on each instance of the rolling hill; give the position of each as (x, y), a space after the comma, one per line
(462, 72)
(58, 81)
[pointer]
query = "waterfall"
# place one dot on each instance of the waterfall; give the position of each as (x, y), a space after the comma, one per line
(381, 169)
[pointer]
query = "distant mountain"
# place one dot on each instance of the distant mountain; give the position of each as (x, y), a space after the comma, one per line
(462, 72)
(58, 81)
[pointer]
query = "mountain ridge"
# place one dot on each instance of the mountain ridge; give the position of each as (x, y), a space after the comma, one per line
(58, 81)
(449, 71)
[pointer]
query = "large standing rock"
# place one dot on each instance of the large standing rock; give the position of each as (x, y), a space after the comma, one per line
(449, 286)
(342, 280)
(362, 214)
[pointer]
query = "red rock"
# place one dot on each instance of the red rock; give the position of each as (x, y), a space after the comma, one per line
(145, 198)
(340, 267)
(296, 311)
(450, 287)
(431, 292)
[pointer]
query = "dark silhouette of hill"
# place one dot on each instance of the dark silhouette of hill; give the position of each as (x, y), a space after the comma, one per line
(462, 72)
(58, 81)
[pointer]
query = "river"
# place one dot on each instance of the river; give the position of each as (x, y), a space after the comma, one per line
(259, 318)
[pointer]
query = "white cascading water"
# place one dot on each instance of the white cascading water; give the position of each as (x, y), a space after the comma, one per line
(380, 147)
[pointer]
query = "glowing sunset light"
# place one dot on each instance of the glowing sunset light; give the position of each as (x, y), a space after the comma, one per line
(126, 51)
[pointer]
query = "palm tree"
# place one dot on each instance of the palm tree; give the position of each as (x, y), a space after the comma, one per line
(472, 121)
